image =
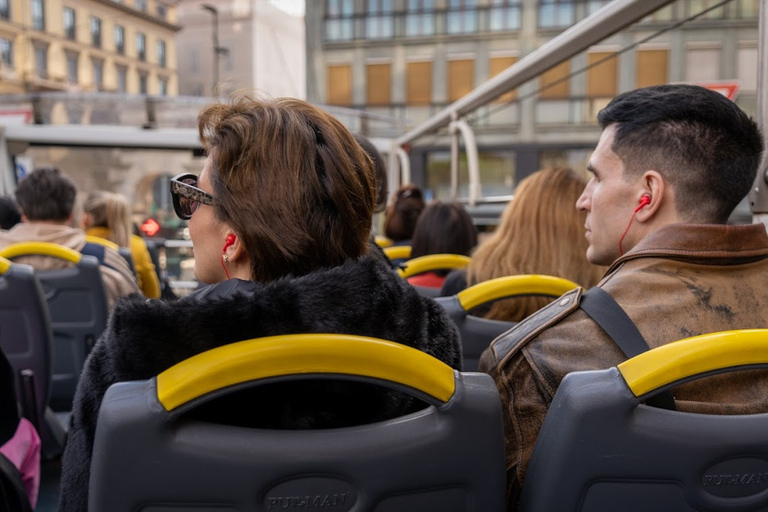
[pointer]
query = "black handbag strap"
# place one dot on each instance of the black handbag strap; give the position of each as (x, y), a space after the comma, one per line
(606, 312)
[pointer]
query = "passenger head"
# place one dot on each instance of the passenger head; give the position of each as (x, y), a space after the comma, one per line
(288, 181)
(107, 210)
(379, 167)
(9, 213)
(443, 228)
(403, 213)
(692, 151)
(538, 234)
(46, 195)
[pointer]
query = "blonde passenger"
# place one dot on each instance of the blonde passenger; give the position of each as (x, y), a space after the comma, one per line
(107, 215)
(539, 233)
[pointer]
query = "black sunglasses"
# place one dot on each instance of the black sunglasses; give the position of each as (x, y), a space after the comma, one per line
(187, 197)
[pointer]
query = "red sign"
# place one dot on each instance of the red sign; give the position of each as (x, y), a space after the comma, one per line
(150, 227)
(728, 89)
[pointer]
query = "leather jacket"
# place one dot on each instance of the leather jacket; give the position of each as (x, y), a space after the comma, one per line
(682, 280)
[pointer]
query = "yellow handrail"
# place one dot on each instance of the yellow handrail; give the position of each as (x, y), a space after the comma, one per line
(102, 241)
(383, 242)
(693, 356)
(398, 252)
(510, 286)
(433, 262)
(294, 354)
(5, 265)
(40, 248)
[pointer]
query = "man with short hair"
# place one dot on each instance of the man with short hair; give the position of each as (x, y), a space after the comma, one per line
(672, 163)
(46, 198)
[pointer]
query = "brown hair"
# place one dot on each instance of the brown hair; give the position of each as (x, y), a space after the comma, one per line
(292, 183)
(541, 232)
(403, 213)
(110, 211)
(444, 228)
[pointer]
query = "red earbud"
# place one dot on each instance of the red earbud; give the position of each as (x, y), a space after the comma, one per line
(229, 241)
(645, 199)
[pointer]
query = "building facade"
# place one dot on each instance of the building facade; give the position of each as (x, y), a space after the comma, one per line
(410, 58)
(259, 48)
(122, 46)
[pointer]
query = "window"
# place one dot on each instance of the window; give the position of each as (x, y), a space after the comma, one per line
(340, 85)
(162, 87)
(556, 13)
(41, 60)
(162, 11)
(70, 26)
(696, 6)
(461, 75)
(419, 82)
(595, 5)
(462, 17)
(141, 46)
(379, 22)
(96, 31)
(120, 39)
(420, 18)
(557, 82)
(71, 67)
(379, 84)
(143, 83)
(98, 74)
(499, 64)
(38, 14)
(339, 23)
(651, 67)
(702, 64)
(5, 9)
(122, 79)
(505, 15)
(141, 5)
(6, 52)
(746, 68)
(748, 8)
(602, 78)
(161, 53)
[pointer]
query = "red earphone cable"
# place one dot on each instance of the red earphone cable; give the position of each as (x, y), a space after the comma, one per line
(643, 201)
(227, 273)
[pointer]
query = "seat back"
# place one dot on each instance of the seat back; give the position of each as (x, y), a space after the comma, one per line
(77, 307)
(602, 449)
(477, 333)
(430, 263)
(398, 254)
(125, 252)
(446, 457)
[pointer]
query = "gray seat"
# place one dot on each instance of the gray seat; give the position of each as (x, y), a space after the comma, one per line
(477, 333)
(601, 449)
(447, 457)
(26, 339)
(77, 306)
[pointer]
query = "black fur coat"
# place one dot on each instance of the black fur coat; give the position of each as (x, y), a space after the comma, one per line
(145, 337)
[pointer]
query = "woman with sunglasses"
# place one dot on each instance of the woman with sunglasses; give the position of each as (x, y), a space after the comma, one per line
(280, 219)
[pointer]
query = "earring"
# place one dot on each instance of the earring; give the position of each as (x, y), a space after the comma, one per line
(226, 257)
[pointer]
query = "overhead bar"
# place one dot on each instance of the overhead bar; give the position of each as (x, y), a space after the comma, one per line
(605, 22)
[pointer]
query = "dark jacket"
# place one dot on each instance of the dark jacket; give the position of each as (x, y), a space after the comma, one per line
(145, 337)
(681, 281)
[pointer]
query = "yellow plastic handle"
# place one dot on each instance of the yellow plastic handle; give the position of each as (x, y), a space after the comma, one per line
(693, 356)
(41, 248)
(398, 252)
(297, 354)
(511, 286)
(5, 265)
(102, 241)
(383, 242)
(433, 262)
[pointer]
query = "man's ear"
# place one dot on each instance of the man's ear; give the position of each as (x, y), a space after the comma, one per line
(653, 186)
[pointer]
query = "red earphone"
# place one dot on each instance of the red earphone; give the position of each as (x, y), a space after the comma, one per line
(229, 241)
(645, 200)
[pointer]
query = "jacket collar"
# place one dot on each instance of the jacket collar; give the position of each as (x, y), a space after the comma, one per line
(704, 243)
